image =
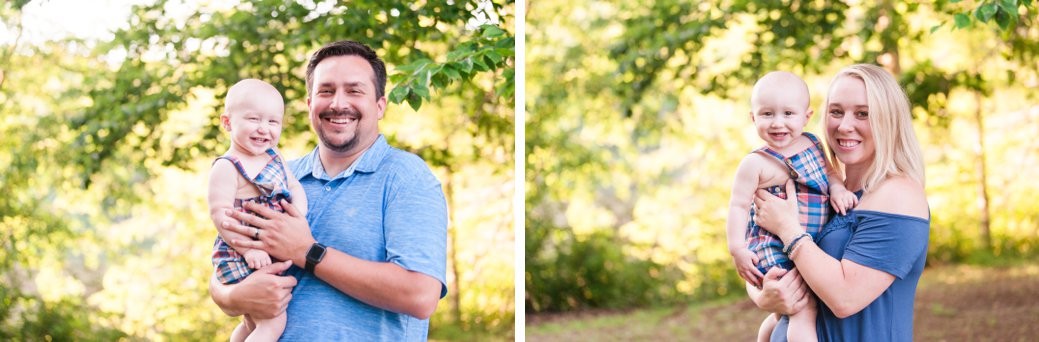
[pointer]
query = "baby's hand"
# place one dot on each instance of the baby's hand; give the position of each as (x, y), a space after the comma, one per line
(256, 258)
(843, 200)
(745, 264)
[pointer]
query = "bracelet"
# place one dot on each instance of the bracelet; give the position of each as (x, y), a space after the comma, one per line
(793, 251)
(790, 246)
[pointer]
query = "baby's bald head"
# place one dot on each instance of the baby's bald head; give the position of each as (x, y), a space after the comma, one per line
(788, 87)
(253, 94)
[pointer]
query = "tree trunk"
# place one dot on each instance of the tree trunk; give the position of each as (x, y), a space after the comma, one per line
(983, 197)
(452, 237)
(890, 59)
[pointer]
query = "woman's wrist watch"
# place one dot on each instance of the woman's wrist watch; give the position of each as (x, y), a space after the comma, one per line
(314, 256)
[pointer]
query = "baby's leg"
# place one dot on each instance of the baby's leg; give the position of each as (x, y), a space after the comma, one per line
(242, 331)
(802, 324)
(765, 331)
(268, 329)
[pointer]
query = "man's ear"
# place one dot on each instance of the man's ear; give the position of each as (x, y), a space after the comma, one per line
(381, 103)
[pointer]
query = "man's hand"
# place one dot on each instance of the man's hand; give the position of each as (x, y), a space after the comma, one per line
(745, 261)
(285, 236)
(263, 294)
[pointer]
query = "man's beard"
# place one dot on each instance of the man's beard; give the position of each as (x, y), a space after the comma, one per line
(327, 142)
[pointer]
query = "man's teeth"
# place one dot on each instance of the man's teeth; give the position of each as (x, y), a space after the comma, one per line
(341, 120)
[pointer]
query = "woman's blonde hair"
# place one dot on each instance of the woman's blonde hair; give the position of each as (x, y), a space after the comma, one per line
(897, 150)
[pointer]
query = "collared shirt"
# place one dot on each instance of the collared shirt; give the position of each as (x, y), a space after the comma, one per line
(386, 207)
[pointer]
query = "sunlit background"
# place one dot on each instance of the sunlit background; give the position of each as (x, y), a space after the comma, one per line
(637, 116)
(108, 125)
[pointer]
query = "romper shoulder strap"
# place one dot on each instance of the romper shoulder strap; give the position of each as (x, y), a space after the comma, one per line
(237, 164)
(779, 158)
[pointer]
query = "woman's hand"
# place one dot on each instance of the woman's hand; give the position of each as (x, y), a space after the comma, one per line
(782, 292)
(776, 215)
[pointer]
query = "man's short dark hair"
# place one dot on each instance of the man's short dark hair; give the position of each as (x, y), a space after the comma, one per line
(349, 48)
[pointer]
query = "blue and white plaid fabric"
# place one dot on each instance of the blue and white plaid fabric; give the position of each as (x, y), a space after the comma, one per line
(813, 189)
(273, 184)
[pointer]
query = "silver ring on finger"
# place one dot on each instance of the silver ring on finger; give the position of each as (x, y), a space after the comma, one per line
(256, 233)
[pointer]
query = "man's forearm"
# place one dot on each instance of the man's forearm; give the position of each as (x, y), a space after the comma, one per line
(381, 284)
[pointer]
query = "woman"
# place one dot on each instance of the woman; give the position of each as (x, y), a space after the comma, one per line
(864, 266)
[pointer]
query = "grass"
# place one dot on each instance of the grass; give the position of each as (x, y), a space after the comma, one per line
(996, 302)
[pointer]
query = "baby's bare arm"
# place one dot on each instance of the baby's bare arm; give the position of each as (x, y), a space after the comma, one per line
(223, 185)
(743, 188)
(299, 197)
(841, 198)
(746, 182)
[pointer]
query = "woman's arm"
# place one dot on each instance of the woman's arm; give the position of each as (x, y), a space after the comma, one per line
(845, 286)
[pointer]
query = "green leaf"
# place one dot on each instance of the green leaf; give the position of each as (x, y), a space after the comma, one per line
(1010, 7)
(398, 94)
(466, 65)
(985, 12)
(414, 101)
(1003, 20)
(936, 27)
(494, 57)
(451, 73)
(421, 90)
(491, 31)
(439, 80)
(479, 63)
(962, 20)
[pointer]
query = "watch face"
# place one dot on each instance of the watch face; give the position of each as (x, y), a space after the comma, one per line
(314, 256)
(317, 251)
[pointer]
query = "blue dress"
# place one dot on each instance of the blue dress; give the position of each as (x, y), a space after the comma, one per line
(892, 243)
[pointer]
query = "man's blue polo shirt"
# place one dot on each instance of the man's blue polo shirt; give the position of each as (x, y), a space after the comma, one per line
(387, 207)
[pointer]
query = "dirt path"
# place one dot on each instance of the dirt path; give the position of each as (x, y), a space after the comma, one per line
(954, 303)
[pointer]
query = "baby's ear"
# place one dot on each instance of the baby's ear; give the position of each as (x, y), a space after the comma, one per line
(809, 113)
(225, 121)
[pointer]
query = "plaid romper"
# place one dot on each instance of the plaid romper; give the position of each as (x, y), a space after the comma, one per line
(813, 196)
(273, 184)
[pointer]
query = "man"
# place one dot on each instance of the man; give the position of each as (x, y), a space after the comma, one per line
(371, 264)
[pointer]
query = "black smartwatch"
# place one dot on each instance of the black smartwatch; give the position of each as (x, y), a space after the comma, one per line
(314, 256)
